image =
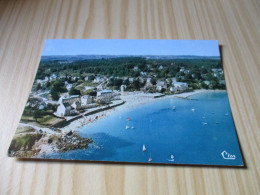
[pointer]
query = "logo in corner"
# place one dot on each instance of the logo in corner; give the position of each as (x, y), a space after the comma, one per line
(228, 156)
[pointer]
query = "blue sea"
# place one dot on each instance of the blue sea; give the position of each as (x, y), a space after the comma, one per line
(198, 131)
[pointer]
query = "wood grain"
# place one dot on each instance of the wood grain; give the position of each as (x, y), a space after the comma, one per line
(24, 25)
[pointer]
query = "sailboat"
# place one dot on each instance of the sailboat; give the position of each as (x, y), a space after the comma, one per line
(172, 158)
(150, 159)
(144, 149)
(174, 107)
(127, 126)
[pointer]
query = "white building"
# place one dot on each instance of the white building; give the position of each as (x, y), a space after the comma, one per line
(206, 82)
(66, 105)
(217, 72)
(161, 67)
(182, 69)
(179, 86)
(186, 71)
(97, 80)
(143, 73)
(88, 88)
(104, 95)
(69, 86)
(86, 99)
(53, 77)
(61, 109)
(160, 85)
(131, 80)
(148, 80)
(123, 87)
(42, 81)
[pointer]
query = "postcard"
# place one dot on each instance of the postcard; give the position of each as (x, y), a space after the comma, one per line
(129, 101)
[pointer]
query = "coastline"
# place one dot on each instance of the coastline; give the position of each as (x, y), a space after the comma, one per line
(132, 100)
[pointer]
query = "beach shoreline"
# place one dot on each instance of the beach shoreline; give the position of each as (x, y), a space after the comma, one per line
(132, 100)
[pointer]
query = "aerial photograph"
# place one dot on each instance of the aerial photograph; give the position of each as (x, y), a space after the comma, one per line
(129, 101)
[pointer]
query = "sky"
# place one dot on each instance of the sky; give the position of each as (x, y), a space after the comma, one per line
(130, 47)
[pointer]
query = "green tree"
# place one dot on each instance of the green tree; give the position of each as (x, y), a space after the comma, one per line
(38, 86)
(136, 84)
(74, 91)
(204, 85)
(55, 94)
(153, 81)
(126, 82)
(48, 84)
(92, 93)
(36, 114)
(57, 88)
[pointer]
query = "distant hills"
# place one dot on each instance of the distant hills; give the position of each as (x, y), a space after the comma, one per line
(88, 57)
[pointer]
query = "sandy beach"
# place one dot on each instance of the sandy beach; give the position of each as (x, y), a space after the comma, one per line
(132, 100)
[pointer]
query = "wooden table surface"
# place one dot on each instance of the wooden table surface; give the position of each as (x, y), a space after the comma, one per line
(24, 25)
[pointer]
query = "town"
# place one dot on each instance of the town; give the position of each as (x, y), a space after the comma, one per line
(67, 90)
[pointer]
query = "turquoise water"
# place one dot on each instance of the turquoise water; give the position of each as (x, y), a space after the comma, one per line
(196, 132)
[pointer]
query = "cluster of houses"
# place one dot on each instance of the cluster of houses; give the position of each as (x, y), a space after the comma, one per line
(74, 104)
(174, 87)
(70, 105)
(216, 72)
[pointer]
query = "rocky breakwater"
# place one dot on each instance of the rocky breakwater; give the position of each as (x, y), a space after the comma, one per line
(36, 144)
(69, 141)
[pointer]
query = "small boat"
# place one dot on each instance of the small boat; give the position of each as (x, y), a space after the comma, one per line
(132, 127)
(144, 149)
(127, 118)
(192, 109)
(204, 123)
(126, 127)
(150, 159)
(172, 158)
(174, 107)
(226, 114)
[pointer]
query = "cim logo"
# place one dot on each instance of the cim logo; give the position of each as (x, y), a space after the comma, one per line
(228, 156)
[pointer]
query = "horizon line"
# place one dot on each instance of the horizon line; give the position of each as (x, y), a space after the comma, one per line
(127, 55)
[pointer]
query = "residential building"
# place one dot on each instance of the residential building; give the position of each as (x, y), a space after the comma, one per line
(179, 86)
(97, 80)
(104, 95)
(160, 85)
(206, 82)
(131, 80)
(123, 87)
(86, 99)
